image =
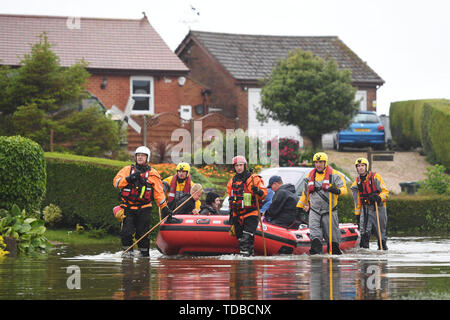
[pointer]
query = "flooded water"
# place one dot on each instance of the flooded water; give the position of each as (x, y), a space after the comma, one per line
(413, 268)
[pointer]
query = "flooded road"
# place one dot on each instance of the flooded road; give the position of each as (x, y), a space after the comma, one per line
(413, 268)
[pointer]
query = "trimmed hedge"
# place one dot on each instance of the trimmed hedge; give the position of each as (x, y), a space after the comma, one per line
(22, 173)
(423, 123)
(84, 192)
(408, 213)
(435, 132)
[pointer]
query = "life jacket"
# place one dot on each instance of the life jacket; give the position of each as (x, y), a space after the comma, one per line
(173, 187)
(325, 181)
(241, 200)
(137, 195)
(366, 187)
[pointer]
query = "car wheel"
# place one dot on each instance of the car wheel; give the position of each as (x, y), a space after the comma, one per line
(339, 147)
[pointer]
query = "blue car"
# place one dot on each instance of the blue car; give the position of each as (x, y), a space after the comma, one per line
(365, 130)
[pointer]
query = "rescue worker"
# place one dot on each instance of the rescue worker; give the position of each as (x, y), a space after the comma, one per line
(367, 189)
(179, 185)
(322, 183)
(244, 189)
(139, 185)
(282, 211)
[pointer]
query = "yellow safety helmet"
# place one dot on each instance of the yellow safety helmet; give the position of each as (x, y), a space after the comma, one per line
(362, 161)
(184, 166)
(321, 156)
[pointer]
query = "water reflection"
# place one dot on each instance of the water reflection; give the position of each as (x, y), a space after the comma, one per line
(408, 270)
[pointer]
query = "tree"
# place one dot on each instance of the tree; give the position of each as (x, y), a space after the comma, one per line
(310, 93)
(41, 96)
(42, 81)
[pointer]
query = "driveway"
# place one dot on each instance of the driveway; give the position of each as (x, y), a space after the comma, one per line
(406, 167)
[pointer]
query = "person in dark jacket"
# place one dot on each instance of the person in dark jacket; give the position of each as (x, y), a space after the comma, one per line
(211, 206)
(283, 210)
(189, 207)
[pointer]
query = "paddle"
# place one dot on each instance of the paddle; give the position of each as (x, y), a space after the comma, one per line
(260, 220)
(330, 233)
(378, 222)
(161, 221)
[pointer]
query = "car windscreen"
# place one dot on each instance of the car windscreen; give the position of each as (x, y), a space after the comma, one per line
(293, 177)
(365, 118)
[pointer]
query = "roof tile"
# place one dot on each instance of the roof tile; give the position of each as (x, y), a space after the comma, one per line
(104, 43)
(251, 57)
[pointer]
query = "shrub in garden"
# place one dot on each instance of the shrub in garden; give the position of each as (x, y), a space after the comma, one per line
(52, 214)
(29, 231)
(288, 151)
(23, 173)
(437, 180)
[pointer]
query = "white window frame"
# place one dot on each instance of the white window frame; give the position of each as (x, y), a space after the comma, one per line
(150, 96)
(361, 97)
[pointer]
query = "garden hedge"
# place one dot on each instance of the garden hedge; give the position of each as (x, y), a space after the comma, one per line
(423, 123)
(424, 214)
(435, 132)
(22, 173)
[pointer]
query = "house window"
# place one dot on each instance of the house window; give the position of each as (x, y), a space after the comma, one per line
(141, 90)
(361, 97)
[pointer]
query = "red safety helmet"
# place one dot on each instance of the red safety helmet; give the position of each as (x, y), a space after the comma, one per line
(239, 159)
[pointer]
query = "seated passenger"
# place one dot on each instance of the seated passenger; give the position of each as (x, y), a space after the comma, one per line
(282, 210)
(190, 206)
(211, 207)
(268, 201)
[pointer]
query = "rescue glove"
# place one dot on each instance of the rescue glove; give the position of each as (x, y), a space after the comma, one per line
(257, 191)
(374, 197)
(133, 178)
(334, 190)
(302, 215)
(166, 211)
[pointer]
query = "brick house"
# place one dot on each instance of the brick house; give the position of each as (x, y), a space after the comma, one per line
(126, 57)
(232, 65)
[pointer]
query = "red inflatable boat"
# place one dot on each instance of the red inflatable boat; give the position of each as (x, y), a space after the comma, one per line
(208, 235)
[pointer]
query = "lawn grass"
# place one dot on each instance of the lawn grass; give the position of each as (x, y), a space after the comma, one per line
(67, 236)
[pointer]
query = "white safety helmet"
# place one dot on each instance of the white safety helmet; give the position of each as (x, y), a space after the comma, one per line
(144, 150)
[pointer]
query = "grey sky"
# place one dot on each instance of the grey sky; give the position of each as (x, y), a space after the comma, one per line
(407, 42)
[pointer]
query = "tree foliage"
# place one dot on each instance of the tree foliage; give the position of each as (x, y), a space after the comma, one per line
(310, 93)
(41, 96)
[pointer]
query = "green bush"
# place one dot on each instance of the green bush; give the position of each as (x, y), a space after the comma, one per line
(52, 214)
(404, 118)
(423, 123)
(435, 133)
(437, 180)
(23, 173)
(28, 231)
